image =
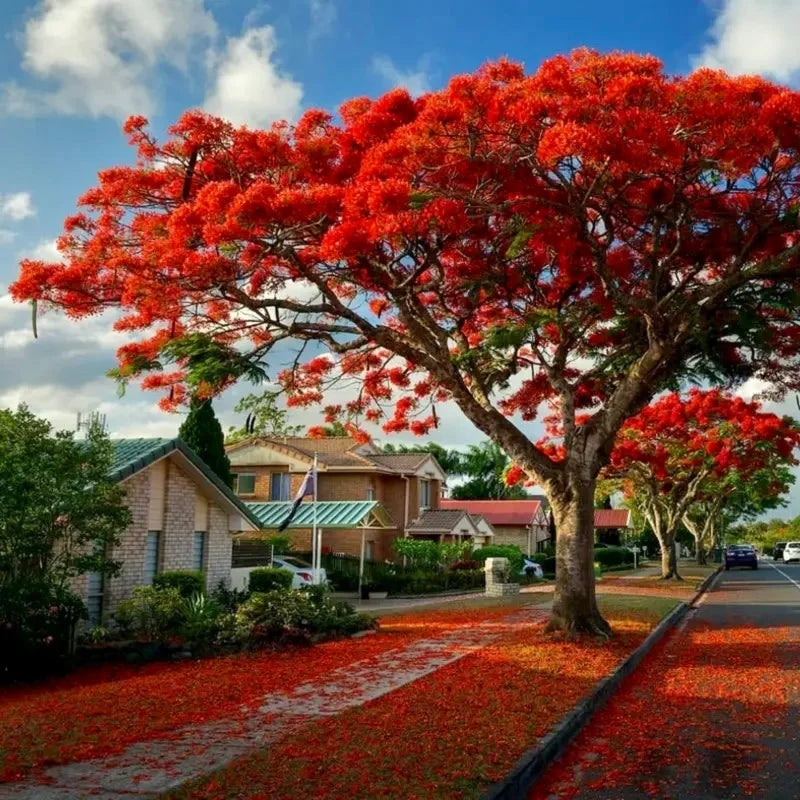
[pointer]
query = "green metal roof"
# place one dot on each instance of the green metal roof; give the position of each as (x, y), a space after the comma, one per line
(131, 455)
(330, 514)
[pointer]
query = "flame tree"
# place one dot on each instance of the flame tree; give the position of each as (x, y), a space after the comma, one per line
(681, 455)
(576, 238)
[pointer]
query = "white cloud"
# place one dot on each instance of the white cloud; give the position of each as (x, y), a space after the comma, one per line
(417, 80)
(17, 206)
(98, 57)
(755, 36)
(248, 87)
(323, 18)
(45, 250)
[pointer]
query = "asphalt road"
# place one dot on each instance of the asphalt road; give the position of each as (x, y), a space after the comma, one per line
(713, 712)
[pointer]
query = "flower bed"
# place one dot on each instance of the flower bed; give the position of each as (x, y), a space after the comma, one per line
(449, 735)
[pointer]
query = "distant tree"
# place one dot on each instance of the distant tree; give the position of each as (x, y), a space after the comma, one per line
(265, 418)
(330, 431)
(203, 433)
(486, 464)
(451, 461)
(681, 450)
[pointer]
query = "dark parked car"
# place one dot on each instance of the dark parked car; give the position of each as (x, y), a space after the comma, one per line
(741, 555)
(777, 552)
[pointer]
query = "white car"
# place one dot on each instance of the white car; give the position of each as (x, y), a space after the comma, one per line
(791, 552)
(531, 568)
(302, 571)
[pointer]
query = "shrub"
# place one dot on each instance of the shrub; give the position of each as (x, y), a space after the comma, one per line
(269, 579)
(187, 582)
(272, 616)
(509, 551)
(343, 581)
(229, 599)
(151, 614)
(37, 625)
(200, 621)
(465, 564)
(613, 556)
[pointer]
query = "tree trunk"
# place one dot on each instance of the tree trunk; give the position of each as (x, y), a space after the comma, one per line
(669, 556)
(574, 604)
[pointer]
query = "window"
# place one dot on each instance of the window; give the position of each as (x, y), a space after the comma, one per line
(94, 597)
(151, 556)
(424, 495)
(370, 493)
(199, 551)
(280, 486)
(244, 483)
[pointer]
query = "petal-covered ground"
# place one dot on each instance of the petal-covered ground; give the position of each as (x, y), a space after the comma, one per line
(99, 711)
(449, 735)
(712, 712)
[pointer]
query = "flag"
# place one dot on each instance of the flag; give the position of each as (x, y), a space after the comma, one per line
(307, 487)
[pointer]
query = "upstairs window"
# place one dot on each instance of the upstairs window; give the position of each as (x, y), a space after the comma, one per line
(244, 483)
(424, 495)
(280, 486)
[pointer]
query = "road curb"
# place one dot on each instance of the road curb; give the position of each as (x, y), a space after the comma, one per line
(534, 761)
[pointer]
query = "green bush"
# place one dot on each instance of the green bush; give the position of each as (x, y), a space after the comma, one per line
(269, 579)
(187, 582)
(509, 551)
(151, 614)
(37, 622)
(200, 621)
(272, 616)
(432, 581)
(229, 599)
(613, 556)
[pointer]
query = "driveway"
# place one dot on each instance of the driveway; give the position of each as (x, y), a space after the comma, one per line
(713, 713)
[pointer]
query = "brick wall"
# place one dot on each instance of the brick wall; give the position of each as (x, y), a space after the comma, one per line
(219, 545)
(131, 547)
(177, 536)
(511, 534)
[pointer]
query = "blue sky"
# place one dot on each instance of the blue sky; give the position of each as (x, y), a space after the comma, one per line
(72, 70)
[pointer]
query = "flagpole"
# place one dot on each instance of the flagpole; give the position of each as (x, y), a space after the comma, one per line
(315, 544)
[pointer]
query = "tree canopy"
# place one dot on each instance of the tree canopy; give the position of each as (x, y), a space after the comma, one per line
(706, 448)
(582, 237)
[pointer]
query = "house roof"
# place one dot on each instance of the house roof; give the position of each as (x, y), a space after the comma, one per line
(403, 462)
(330, 514)
(132, 455)
(437, 520)
(611, 517)
(341, 452)
(499, 512)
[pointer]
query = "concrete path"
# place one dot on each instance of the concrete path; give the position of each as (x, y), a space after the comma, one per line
(148, 768)
(713, 714)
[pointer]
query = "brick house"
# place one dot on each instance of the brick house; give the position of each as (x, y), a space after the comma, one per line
(405, 485)
(183, 519)
(520, 522)
(452, 525)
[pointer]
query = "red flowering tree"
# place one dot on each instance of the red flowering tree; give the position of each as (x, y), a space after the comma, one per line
(575, 238)
(736, 497)
(699, 449)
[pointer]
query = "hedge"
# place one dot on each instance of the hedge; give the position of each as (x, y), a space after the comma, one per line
(269, 579)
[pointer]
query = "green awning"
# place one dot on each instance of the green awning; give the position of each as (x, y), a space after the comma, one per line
(330, 514)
